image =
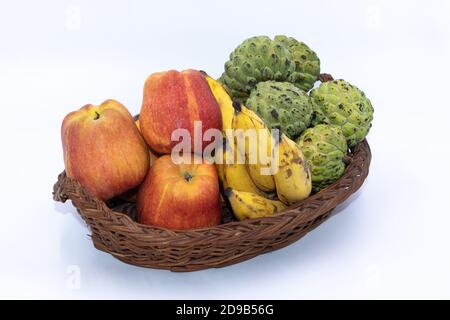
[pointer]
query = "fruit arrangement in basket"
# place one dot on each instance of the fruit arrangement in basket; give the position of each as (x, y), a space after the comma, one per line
(257, 140)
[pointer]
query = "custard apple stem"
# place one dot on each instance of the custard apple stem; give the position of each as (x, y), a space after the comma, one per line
(325, 77)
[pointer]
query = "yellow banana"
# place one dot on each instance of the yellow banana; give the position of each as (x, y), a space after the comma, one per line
(224, 101)
(258, 167)
(248, 205)
(293, 178)
(220, 163)
(265, 183)
(235, 175)
(227, 111)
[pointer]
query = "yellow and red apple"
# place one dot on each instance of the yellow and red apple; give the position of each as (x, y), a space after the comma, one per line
(103, 149)
(153, 155)
(175, 100)
(180, 196)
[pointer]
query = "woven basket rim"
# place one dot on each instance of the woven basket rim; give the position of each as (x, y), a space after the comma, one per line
(229, 243)
(64, 180)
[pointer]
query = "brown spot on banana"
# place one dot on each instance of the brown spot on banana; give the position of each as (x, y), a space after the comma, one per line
(288, 173)
(297, 160)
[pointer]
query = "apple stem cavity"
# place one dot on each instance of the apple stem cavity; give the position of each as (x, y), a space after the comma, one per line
(187, 176)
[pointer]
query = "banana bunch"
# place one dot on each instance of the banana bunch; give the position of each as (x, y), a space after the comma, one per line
(280, 166)
(256, 166)
(232, 173)
(258, 157)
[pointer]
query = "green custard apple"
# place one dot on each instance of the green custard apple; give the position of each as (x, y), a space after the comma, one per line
(260, 58)
(282, 105)
(324, 146)
(342, 104)
(307, 64)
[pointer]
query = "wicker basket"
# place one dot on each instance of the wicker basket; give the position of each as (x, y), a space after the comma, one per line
(115, 231)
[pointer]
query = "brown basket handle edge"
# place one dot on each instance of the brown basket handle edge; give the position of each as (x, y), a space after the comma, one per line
(59, 194)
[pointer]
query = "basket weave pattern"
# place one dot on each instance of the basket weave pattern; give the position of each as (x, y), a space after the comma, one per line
(116, 233)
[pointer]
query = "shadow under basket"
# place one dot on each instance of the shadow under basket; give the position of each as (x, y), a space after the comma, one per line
(115, 231)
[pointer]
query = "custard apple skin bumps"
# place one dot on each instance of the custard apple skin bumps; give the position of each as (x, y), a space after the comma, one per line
(282, 105)
(307, 64)
(324, 147)
(259, 59)
(254, 60)
(339, 103)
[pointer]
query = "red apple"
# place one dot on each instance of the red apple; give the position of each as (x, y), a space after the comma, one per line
(180, 197)
(103, 149)
(174, 100)
(153, 155)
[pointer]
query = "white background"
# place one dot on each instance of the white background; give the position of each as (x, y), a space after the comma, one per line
(391, 240)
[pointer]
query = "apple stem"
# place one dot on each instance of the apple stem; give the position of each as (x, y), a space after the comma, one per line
(187, 176)
(97, 115)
